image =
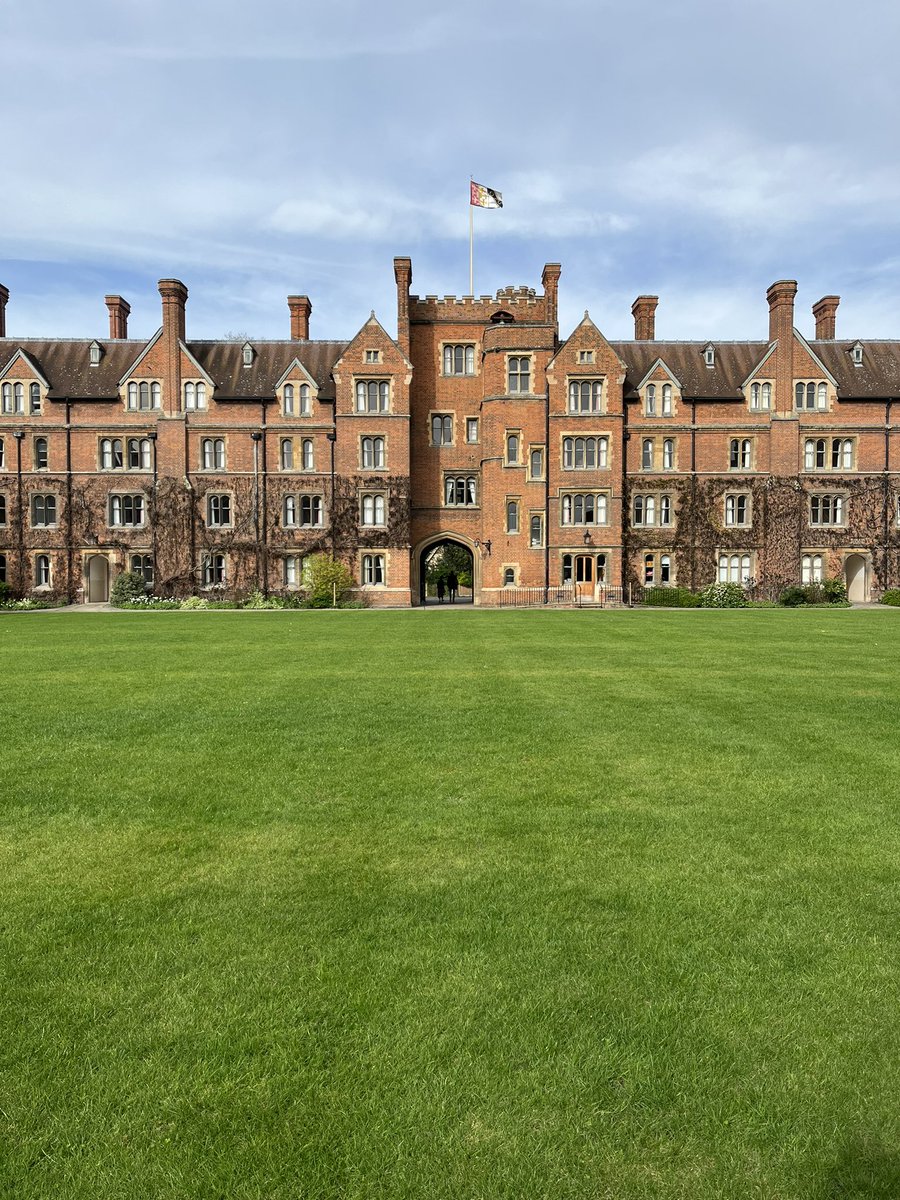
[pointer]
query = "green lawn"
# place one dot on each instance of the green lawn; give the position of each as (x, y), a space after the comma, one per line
(450, 905)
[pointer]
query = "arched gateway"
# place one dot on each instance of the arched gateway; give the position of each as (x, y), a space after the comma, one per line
(427, 550)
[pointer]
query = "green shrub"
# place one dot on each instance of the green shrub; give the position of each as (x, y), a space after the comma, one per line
(327, 581)
(891, 597)
(723, 595)
(834, 590)
(670, 597)
(127, 586)
(5, 592)
(257, 600)
(793, 597)
(194, 604)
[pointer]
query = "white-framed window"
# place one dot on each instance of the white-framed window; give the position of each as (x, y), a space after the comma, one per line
(811, 395)
(287, 400)
(143, 396)
(286, 454)
(35, 395)
(127, 510)
(740, 454)
(305, 395)
(827, 509)
(43, 511)
(647, 449)
(585, 453)
(811, 568)
(459, 359)
(289, 511)
(656, 569)
(12, 399)
(372, 395)
(42, 571)
(761, 396)
(372, 453)
(194, 395)
(218, 510)
(373, 574)
(142, 564)
(460, 491)
(140, 454)
(737, 508)
(828, 454)
(585, 395)
(650, 400)
(442, 429)
(111, 458)
(290, 570)
(536, 530)
(513, 443)
(247, 354)
(651, 509)
(668, 449)
(471, 429)
(584, 508)
(213, 570)
(666, 400)
(41, 454)
(372, 356)
(512, 516)
(372, 508)
(536, 462)
(735, 568)
(518, 374)
(311, 511)
(307, 455)
(212, 454)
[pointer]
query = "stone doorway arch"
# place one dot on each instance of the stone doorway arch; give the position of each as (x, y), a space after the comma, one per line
(428, 546)
(97, 575)
(856, 577)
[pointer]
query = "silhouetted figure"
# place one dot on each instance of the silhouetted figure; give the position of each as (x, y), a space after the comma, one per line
(452, 585)
(440, 589)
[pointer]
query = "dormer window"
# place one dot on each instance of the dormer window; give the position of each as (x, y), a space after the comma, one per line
(96, 354)
(857, 354)
(709, 356)
(248, 354)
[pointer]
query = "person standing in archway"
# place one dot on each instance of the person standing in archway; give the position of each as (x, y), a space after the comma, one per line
(440, 589)
(452, 585)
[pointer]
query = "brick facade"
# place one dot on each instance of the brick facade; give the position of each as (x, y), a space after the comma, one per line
(586, 461)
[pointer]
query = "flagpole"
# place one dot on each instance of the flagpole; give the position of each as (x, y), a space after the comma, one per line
(471, 245)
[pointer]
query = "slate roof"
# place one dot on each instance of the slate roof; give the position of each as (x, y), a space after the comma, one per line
(734, 362)
(65, 364)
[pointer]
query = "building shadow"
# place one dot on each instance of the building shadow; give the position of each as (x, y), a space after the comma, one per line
(864, 1170)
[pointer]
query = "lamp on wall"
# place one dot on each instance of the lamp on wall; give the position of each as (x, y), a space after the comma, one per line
(485, 546)
(587, 538)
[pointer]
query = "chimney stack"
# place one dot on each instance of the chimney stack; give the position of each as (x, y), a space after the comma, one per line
(550, 284)
(781, 309)
(174, 298)
(403, 277)
(119, 310)
(4, 296)
(644, 312)
(825, 312)
(300, 309)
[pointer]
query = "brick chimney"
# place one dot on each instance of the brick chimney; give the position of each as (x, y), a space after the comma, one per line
(403, 276)
(119, 310)
(550, 284)
(644, 312)
(781, 309)
(300, 308)
(174, 298)
(4, 297)
(781, 329)
(825, 312)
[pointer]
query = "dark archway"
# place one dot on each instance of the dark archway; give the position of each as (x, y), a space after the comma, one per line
(438, 561)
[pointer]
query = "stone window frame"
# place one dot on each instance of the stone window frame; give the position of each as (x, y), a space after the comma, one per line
(374, 554)
(728, 556)
(120, 496)
(385, 388)
(735, 496)
(374, 438)
(464, 344)
(661, 566)
(579, 381)
(575, 436)
(218, 496)
(443, 415)
(601, 500)
(155, 392)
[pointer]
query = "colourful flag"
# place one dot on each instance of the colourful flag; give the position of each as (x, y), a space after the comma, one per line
(485, 197)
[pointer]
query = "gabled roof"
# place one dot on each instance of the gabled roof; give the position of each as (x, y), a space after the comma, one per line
(223, 362)
(147, 347)
(684, 360)
(660, 362)
(66, 365)
(26, 358)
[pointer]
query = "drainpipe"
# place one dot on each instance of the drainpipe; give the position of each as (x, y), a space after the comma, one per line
(70, 549)
(694, 495)
(332, 438)
(547, 495)
(256, 438)
(19, 435)
(265, 506)
(191, 505)
(625, 514)
(887, 491)
(153, 523)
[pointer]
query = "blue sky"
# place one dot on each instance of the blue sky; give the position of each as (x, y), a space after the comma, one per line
(699, 151)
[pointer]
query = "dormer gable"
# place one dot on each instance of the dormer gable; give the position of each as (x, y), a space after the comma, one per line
(140, 358)
(856, 354)
(95, 353)
(709, 355)
(659, 390)
(247, 355)
(22, 363)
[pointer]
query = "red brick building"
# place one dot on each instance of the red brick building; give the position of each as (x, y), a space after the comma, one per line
(581, 462)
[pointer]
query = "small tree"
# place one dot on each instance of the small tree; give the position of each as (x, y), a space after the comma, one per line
(127, 586)
(326, 580)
